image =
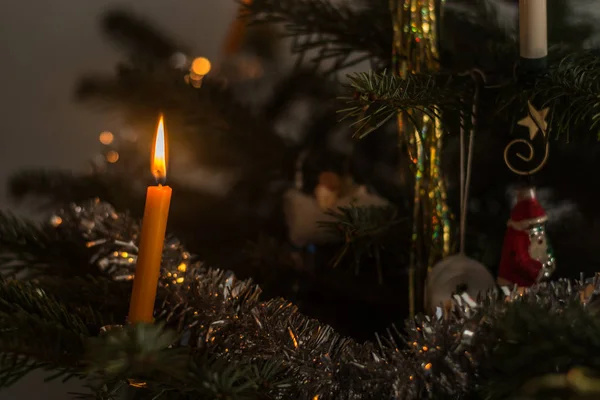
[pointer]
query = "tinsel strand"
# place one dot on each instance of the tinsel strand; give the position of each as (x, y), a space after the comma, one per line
(436, 357)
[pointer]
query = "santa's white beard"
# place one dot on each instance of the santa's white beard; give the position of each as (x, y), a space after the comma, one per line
(538, 250)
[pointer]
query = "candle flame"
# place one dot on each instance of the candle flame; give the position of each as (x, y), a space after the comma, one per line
(159, 153)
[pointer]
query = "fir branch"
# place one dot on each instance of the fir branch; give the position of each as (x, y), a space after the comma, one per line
(572, 89)
(39, 332)
(334, 32)
(558, 342)
(364, 231)
(56, 253)
(147, 353)
(271, 375)
(220, 379)
(29, 300)
(139, 351)
(376, 98)
(356, 222)
(102, 294)
(27, 247)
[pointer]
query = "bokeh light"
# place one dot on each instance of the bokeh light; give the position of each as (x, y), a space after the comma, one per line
(179, 60)
(106, 138)
(112, 156)
(200, 66)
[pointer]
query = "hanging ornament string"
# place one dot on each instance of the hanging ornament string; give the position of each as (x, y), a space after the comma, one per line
(535, 122)
(462, 180)
(465, 170)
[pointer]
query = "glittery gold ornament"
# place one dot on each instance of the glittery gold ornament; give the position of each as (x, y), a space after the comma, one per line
(415, 51)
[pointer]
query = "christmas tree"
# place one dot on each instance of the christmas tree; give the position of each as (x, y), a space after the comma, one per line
(349, 227)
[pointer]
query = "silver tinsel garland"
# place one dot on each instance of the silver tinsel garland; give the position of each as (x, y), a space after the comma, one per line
(435, 357)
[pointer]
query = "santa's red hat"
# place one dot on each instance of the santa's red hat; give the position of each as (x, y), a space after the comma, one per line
(527, 211)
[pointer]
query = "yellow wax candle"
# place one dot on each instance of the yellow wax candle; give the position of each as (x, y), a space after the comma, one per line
(154, 226)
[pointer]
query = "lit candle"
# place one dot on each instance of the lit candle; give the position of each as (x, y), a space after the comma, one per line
(154, 226)
(533, 29)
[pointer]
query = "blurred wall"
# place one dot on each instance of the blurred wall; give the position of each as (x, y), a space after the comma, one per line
(44, 47)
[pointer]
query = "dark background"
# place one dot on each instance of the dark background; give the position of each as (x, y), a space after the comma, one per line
(45, 46)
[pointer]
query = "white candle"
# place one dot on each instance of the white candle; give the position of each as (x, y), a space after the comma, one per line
(533, 28)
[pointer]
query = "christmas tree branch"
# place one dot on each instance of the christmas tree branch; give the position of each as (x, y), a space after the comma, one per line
(523, 336)
(572, 89)
(367, 231)
(377, 98)
(149, 355)
(138, 351)
(61, 247)
(40, 333)
(104, 295)
(334, 32)
(27, 247)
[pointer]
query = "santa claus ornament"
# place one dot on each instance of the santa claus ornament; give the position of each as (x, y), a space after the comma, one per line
(527, 256)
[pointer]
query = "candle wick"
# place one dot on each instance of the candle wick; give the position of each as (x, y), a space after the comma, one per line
(161, 179)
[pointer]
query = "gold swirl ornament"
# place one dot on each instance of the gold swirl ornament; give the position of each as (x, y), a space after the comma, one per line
(535, 122)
